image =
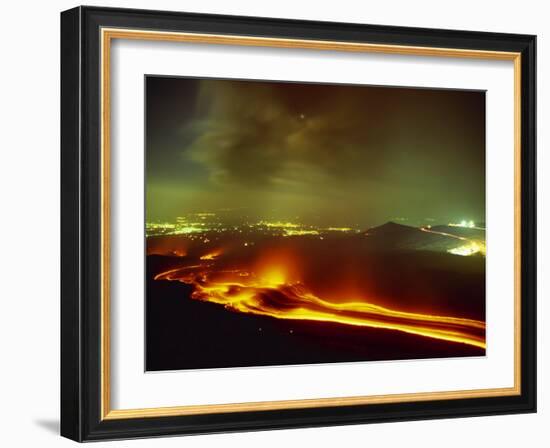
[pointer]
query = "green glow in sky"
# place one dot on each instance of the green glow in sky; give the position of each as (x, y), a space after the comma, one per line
(331, 155)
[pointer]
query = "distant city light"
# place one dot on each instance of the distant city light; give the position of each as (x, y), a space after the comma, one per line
(464, 223)
(278, 224)
(187, 229)
(159, 225)
(289, 232)
(466, 250)
(199, 225)
(339, 229)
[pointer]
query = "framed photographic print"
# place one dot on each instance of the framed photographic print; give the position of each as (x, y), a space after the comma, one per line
(273, 224)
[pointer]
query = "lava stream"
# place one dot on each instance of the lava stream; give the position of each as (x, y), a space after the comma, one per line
(245, 292)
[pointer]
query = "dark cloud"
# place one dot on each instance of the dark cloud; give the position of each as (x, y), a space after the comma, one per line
(285, 134)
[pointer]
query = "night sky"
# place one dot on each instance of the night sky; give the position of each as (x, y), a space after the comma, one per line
(317, 153)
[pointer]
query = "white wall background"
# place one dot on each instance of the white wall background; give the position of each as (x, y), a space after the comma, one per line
(29, 224)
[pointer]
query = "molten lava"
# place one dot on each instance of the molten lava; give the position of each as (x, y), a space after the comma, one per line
(268, 292)
(212, 255)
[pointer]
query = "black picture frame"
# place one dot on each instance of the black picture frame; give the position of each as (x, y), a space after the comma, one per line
(81, 208)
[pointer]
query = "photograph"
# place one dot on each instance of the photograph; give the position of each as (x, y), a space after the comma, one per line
(295, 223)
(280, 223)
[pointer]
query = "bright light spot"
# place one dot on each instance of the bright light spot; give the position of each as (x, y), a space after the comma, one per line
(273, 276)
(467, 224)
(300, 232)
(468, 249)
(188, 229)
(212, 255)
(279, 224)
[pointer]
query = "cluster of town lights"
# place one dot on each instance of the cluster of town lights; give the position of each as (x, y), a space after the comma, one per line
(200, 223)
(464, 223)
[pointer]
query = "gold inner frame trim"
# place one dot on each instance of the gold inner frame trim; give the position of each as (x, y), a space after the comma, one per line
(107, 35)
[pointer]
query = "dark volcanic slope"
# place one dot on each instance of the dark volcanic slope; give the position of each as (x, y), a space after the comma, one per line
(393, 236)
(183, 333)
(186, 334)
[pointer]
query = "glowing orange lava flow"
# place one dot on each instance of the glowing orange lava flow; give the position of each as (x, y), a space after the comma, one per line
(269, 295)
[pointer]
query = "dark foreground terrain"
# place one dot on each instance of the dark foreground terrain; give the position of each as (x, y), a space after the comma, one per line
(184, 333)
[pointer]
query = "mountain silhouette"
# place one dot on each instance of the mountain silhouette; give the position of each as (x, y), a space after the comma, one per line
(394, 236)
